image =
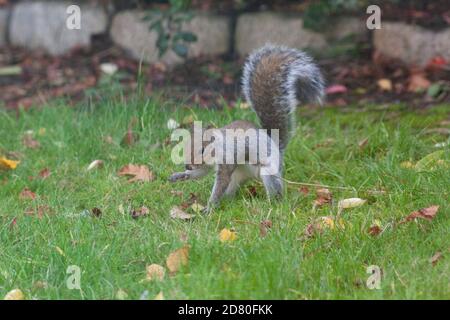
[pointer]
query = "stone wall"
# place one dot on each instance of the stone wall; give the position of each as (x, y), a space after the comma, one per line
(41, 24)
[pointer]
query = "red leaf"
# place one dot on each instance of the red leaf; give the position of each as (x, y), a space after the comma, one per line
(426, 213)
(27, 194)
(336, 88)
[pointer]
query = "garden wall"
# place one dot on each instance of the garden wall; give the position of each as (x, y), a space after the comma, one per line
(42, 24)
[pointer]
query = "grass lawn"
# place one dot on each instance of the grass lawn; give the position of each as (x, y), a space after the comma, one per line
(114, 249)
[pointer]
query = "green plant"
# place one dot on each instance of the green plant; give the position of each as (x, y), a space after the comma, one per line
(168, 24)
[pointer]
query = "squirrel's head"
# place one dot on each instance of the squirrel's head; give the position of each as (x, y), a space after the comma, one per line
(194, 160)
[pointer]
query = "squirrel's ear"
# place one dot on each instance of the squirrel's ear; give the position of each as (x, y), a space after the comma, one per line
(210, 126)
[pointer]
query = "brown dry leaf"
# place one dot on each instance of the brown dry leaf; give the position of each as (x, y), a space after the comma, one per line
(177, 213)
(374, 230)
(320, 225)
(434, 259)
(29, 142)
(44, 173)
(324, 196)
(27, 194)
(426, 213)
(304, 190)
(418, 81)
(192, 199)
(138, 172)
(141, 212)
(39, 212)
(178, 259)
(155, 272)
(264, 227)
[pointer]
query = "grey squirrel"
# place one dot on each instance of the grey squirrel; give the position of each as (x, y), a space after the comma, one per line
(275, 80)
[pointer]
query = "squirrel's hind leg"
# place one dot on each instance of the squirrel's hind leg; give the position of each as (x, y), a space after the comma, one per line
(273, 185)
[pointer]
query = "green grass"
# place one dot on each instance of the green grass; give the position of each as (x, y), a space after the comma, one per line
(114, 249)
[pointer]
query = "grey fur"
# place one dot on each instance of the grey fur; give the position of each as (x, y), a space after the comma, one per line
(301, 82)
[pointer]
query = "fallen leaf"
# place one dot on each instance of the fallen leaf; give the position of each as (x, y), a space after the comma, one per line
(155, 272)
(407, 165)
(44, 173)
(350, 203)
(15, 294)
(177, 213)
(95, 164)
(178, 259)
(159, 296)
(417, 82)
(374, 230)
(227, 235)
(27, 194)
(39, 212)
(197, 207)
(8, 164)
(426, 213)
(264, 227)
(324, 196)
(141, 212)
(29, 142)
(434, 259)
(385, 84)
(431, 161)
(121, 294)
(138, 172)
(304, 190)
(337, 88)
(318, 226)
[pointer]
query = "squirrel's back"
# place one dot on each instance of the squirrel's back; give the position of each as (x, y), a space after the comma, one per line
(275, 80)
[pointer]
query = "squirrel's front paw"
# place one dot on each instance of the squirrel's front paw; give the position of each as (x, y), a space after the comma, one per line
(178, 176)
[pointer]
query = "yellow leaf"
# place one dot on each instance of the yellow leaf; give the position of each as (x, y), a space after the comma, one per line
(227, 235)
(197, 207)
(15, 294)
(177, 259)
(121, 294)
(327, 222)
(8, 164)
(159, 296)
(407, 164)
(385, 84)
(155, 272)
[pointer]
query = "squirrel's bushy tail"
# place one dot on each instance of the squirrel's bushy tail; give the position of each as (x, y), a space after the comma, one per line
(275, 80)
